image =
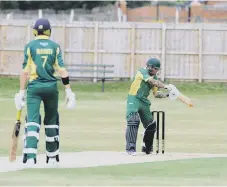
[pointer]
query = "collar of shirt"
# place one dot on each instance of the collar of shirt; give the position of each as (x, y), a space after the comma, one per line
(41, 37)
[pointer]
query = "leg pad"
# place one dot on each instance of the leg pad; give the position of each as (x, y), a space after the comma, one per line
(133, 121)
(149, 137)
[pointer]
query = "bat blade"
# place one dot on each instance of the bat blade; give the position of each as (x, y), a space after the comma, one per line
(185, 100)
(15, 137)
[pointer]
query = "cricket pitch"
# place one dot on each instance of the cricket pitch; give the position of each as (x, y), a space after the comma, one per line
(101, 158)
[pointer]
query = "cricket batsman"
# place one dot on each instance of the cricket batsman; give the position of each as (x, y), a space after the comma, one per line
(138, 105)
(42, 58)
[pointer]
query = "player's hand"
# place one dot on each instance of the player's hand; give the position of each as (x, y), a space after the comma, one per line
(19, 99)
(173, 93)
(168, 87)
(70, 99)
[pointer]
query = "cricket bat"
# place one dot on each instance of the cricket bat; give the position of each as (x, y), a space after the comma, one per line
(185, 100)
(15, 137)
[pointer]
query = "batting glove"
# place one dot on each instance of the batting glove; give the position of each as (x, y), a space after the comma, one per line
(70, 99)
(173, 93)
(19, 99)
(168, 87)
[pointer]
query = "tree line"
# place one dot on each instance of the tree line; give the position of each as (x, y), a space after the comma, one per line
(64, 5)
(55, 5)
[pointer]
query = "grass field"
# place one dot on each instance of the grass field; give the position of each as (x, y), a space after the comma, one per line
(98, 124)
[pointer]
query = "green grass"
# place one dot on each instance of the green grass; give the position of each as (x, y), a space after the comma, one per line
(184, 172)
(8, 84)
(98, 123)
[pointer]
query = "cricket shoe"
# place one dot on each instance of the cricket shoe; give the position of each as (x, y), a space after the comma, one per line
(52, 162)
(131, 151)
(29, 162)
(147, 150)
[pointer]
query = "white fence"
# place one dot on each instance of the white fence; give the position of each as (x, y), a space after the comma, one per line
(187, 51)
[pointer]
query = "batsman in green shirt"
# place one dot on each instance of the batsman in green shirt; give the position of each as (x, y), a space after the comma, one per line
(42, 59)
(138, 106)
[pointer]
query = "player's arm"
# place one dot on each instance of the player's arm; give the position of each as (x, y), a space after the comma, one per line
(156, 91)
(153, 81)
(60, 67)
(23, 80)
(25, 69)
(19, 97)
(64, 77)
(159, 94)
(156, 83)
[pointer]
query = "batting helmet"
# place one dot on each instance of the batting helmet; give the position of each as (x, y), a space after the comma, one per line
(154, 62)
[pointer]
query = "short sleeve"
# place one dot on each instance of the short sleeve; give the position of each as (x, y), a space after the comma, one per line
(27, 59)
(144, 75)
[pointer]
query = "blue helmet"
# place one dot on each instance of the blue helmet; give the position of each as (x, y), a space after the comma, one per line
(42, 27)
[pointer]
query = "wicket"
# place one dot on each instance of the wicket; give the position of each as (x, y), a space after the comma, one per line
(160, 114)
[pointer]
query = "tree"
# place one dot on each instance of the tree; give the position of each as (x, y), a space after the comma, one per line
(135, 4)
(8, 4)
(56, 5)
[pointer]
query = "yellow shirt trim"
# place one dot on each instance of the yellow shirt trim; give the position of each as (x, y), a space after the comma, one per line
(42, 37)
(136, 84)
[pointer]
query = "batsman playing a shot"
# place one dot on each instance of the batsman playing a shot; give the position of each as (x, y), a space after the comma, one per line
(42, 58)
(138, 105)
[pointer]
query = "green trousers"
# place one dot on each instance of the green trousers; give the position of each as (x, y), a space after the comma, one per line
(49, 97)
(142, 107)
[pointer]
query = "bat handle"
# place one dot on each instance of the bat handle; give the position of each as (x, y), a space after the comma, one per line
(18, 115)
